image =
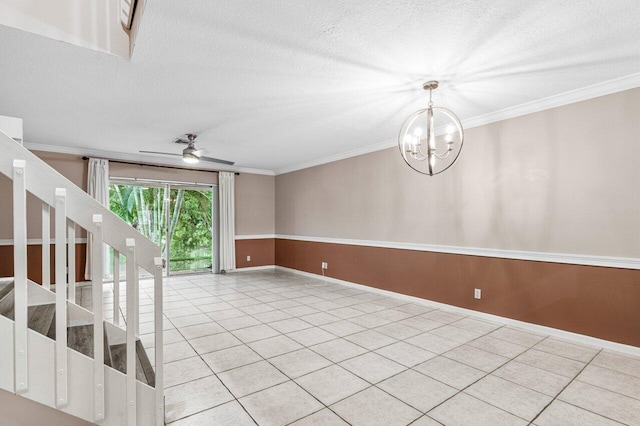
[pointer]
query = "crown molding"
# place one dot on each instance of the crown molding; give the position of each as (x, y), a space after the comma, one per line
(578, 95)
(585, 93)
(146, 159)
(337, 157)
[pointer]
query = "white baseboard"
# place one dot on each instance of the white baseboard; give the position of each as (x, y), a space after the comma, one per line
(535, 328)
(251, 268)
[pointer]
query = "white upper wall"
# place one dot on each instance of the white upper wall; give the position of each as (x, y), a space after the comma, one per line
(563, 180)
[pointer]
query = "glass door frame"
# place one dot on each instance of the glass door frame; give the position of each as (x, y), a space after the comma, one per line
(215, 215)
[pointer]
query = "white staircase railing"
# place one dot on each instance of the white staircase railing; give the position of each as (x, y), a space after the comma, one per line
(73, 207)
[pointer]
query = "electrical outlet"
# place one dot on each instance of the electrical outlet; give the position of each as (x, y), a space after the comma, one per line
(248, 258)
(325, 265)
(477, 293)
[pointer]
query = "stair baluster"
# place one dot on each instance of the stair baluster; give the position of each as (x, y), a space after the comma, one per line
(98, 325)
(116, 287)
(20, 274)
(46, 245)
(60, 226)
(132, 280)
(159, 337)
(71, 259)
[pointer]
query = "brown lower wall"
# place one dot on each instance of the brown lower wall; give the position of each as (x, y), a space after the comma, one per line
(595, 301)
(262, 252)
(34, 262)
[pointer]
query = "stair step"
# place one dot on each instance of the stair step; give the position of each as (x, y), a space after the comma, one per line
(107, 351)
(144, 370)
(80, 338)
(5, 287)
(40, 318)
(119, 357)
(145, 364)
(6, 304)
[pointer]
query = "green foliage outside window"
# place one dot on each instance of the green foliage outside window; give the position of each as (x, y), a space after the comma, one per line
(190, 220)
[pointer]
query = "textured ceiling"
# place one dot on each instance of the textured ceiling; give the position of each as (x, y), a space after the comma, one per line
(275, 84)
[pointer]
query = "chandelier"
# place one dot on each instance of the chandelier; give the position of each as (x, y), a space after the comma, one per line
(431, 139)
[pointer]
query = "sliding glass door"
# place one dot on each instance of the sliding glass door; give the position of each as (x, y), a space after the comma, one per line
(177, 217)
(190, 229)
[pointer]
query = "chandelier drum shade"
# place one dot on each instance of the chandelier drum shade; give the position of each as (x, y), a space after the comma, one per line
(431, 139)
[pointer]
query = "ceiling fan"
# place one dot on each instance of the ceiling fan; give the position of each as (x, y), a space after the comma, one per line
(190, 154)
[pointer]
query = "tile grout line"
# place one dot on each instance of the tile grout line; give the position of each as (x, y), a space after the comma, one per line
(308, 348)
(565, 387)
(476, 381)
(295, 287)
(264, 359)
(216, 376)
(338, 337)
(599, 387)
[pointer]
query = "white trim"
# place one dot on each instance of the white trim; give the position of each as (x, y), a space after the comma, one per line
(340, 156)
(535, 328)
(573, 259)
(578, 95)
(585, 93)
(35, 241)
(251, 268)
(255, 237)
(148, 159)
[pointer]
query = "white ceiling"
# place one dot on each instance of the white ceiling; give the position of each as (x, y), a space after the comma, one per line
(274, 85)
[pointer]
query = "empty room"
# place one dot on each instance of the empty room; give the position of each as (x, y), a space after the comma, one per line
(368, 212)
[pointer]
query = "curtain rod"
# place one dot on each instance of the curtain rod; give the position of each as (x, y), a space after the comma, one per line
(85, 158)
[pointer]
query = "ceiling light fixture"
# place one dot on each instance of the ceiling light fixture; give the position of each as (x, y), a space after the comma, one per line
(189, 154)
(431, 139)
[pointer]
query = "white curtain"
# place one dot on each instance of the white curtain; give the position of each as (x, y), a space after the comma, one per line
(98, 188)
(226, 190)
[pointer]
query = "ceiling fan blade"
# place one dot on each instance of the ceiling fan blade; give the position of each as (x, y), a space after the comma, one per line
(210, 159)
(199, 152)
(161, 153)
(215, 160)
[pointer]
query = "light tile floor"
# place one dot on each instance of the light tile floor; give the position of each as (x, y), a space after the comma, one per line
(275, 348)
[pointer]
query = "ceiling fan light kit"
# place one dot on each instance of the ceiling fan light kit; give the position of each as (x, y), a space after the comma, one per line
(190, 154)
(190, 158)
(431, 139)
